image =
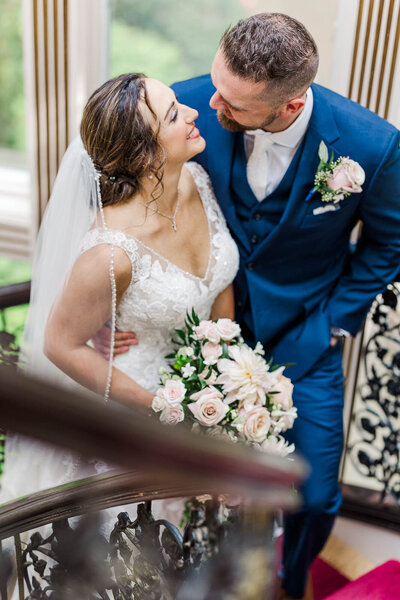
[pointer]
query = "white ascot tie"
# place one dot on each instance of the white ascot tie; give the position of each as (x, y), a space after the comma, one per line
(257, 165)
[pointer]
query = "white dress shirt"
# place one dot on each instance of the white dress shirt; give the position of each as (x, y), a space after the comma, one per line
(281, 148)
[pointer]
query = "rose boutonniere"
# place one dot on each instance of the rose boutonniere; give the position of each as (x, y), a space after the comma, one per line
(336, 179)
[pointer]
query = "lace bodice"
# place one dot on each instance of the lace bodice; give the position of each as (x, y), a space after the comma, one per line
(160, 292)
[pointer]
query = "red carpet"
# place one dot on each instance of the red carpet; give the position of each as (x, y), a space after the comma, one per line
(383, 583)
(326, 579)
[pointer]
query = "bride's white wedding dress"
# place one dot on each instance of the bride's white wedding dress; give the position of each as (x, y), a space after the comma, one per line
(160, 292)
(154, 304)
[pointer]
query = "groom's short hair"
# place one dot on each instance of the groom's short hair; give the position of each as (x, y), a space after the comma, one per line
(274, 48)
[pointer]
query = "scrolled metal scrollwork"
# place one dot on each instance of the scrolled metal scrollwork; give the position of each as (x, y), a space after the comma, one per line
(376, 452)
(143, 559)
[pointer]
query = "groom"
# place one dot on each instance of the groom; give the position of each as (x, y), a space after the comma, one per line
(300, 286)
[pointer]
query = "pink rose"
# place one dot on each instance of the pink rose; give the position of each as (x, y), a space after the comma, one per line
(257, 424)
(174, 391)
(348, 176)
(171, 415)
(211, 353)
(207, 330)
(202, 329)
(227, 329)
(208, 407)
(213, 333)
(284, 389)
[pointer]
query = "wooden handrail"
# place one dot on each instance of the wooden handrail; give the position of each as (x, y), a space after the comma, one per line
(14, 294)
(106, 491)
(128, 437)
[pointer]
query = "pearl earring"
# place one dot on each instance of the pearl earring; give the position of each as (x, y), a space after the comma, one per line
(150, 176)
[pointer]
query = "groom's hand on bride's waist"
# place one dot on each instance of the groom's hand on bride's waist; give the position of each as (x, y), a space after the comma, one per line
(123, 339)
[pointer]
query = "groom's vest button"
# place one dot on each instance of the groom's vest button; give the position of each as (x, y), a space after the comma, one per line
(257, 216)
(254, 239)
(251, 266)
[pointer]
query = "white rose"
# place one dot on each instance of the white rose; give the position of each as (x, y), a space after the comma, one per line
(159, 402)
(211, 353)
(173, 414)
(174, 391)
(208, 407)
(284, 389)
(277, 446)
(257, 424)
(227, 329)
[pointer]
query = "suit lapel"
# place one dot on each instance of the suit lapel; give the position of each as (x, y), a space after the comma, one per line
(222, 144)
(322, 127)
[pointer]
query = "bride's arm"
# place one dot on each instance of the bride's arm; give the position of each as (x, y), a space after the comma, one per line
(224, 305)
(81, 309)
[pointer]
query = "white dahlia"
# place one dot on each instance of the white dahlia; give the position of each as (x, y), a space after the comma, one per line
(246, 376)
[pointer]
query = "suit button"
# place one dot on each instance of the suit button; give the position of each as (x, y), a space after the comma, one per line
(254, 239)
(251, 266)
(257, 216)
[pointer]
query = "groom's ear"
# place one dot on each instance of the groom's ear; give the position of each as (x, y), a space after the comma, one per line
(292, 107)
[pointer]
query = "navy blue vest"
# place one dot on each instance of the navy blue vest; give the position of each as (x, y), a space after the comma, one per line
(259, 219)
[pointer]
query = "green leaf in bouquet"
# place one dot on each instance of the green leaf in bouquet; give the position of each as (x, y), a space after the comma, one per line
(195, 318)
(189, 318)
(170, 356)
(201, 365)
(225, 353)
(181, 334)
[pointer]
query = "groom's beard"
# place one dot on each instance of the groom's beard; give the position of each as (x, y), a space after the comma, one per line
(235, 127)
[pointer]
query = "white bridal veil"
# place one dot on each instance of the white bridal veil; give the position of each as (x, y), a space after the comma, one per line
(74, 207)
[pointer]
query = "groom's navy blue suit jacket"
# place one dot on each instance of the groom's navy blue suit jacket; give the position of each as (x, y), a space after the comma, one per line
(302, 277)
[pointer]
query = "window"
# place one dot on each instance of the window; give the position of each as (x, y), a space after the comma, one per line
(171, 40)
(15, 209)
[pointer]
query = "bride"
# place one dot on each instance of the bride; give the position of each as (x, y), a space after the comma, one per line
(132, 235)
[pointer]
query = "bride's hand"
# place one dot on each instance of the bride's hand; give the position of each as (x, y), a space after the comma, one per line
(123, 339)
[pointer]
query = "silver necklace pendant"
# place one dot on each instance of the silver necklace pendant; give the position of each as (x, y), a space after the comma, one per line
(174, 224)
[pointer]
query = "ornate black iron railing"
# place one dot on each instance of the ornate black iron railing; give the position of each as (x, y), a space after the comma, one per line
(372, 455)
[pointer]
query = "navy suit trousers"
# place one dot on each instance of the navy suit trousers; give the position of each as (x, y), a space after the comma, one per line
(318, 435)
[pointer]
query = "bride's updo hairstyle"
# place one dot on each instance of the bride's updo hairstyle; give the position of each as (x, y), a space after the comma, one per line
(120, 141)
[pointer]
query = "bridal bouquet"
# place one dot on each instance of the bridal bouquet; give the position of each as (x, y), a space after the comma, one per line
(224, 388)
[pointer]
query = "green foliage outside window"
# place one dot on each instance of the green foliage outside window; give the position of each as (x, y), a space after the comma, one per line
(169, 39)
(12, 109)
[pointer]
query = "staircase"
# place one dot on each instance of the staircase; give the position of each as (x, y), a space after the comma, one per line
(382, 583)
